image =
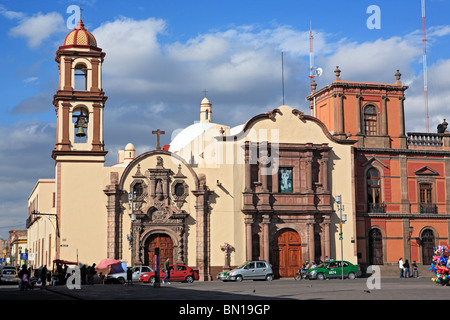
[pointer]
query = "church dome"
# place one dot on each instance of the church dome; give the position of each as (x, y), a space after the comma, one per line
(80, 37)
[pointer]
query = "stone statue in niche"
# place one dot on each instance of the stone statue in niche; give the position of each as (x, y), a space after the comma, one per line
(159, 163)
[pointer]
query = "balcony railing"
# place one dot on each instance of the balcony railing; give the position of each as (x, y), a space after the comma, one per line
(376, 207)
(420, 139)
(427, 208)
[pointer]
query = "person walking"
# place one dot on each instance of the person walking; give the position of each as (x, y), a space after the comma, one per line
(43, 277)
(406, 267)
(167, 271)
(415, 269)
(400, 265)
(24, 274)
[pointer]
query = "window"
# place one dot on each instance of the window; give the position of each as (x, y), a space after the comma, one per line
(285, 180)
(425, 193)
(251, 265)
(180, 268)
(426, 204)
(80, 77)
(179, 189)
(137, 189)
(370, 120)
(260, 265)
(374, 191)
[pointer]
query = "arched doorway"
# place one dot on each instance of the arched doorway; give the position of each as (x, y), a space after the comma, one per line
(427, 246)
(375, 247)
(164, 243)
(287, 253)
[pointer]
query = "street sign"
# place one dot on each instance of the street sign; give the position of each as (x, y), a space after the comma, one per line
(24, 256)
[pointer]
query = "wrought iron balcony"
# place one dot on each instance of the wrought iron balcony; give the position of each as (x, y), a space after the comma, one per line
(427, 208)
(376, 207)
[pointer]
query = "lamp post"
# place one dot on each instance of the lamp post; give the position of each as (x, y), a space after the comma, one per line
(131, 198)
(340, 208)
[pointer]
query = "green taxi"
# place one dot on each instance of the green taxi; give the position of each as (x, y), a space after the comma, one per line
(333, 269)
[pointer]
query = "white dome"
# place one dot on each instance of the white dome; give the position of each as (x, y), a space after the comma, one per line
(130, 147)
(185, 136)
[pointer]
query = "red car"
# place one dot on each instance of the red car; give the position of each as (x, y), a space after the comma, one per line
(178, 272)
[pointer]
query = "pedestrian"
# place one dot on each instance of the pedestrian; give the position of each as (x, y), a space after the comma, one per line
(91, 273)
(24, 282)
(406, 267)
(415, 269)
(167, 271)
(400, 266)
(43, 277)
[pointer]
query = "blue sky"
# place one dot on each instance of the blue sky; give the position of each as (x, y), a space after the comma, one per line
(161, 55)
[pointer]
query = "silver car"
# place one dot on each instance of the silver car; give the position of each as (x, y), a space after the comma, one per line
(250, 270)
(9, 275)
(121, 277)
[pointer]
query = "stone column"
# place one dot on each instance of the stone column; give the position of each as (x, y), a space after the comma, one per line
(309, 161)
(326, 237)
(341, 114)
(324, 171)
(96, 144)
(114, 216)
(358, 114)
(266, 223)
(248, 237)
(405, 207)
(248, 172)
(384, 130)
(401, 112)
(311, 245)
(65, 123)
(202, 221)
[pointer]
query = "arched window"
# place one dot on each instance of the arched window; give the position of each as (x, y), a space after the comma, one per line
(80, 119)
(80, 77)
(370, 120)
(373, 189)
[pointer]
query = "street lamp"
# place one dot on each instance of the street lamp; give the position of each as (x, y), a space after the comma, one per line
(131, 207)
(340, 208)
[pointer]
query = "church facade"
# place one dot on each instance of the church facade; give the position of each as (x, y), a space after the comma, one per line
(218, 195)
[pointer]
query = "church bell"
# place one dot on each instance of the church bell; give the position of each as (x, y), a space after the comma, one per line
(80, 132)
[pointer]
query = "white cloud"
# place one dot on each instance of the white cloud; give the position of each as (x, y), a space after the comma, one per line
(10, 14)
(38, 28)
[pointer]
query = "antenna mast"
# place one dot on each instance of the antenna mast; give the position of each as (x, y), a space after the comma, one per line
(425, 71)
(311, 56)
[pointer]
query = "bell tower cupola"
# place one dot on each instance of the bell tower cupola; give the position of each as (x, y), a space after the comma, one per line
(80, 99)
(205, 111)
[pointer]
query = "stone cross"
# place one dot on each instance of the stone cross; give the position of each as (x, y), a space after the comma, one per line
(158, 133)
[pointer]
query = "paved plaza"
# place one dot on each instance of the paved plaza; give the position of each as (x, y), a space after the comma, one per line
(285, 289)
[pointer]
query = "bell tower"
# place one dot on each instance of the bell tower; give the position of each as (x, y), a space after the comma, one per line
(80, 99)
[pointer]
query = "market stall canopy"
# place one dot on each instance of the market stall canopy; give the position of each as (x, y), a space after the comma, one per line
(106, 263)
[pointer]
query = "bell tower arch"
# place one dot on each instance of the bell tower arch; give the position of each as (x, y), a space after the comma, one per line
(80, 100)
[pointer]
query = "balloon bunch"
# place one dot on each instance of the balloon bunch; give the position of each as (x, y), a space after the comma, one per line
(440, 265)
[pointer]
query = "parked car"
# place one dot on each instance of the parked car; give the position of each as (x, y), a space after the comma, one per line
(9, 275)
(333, 269)
(121, 277)
(250, 270)
(178, 272)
